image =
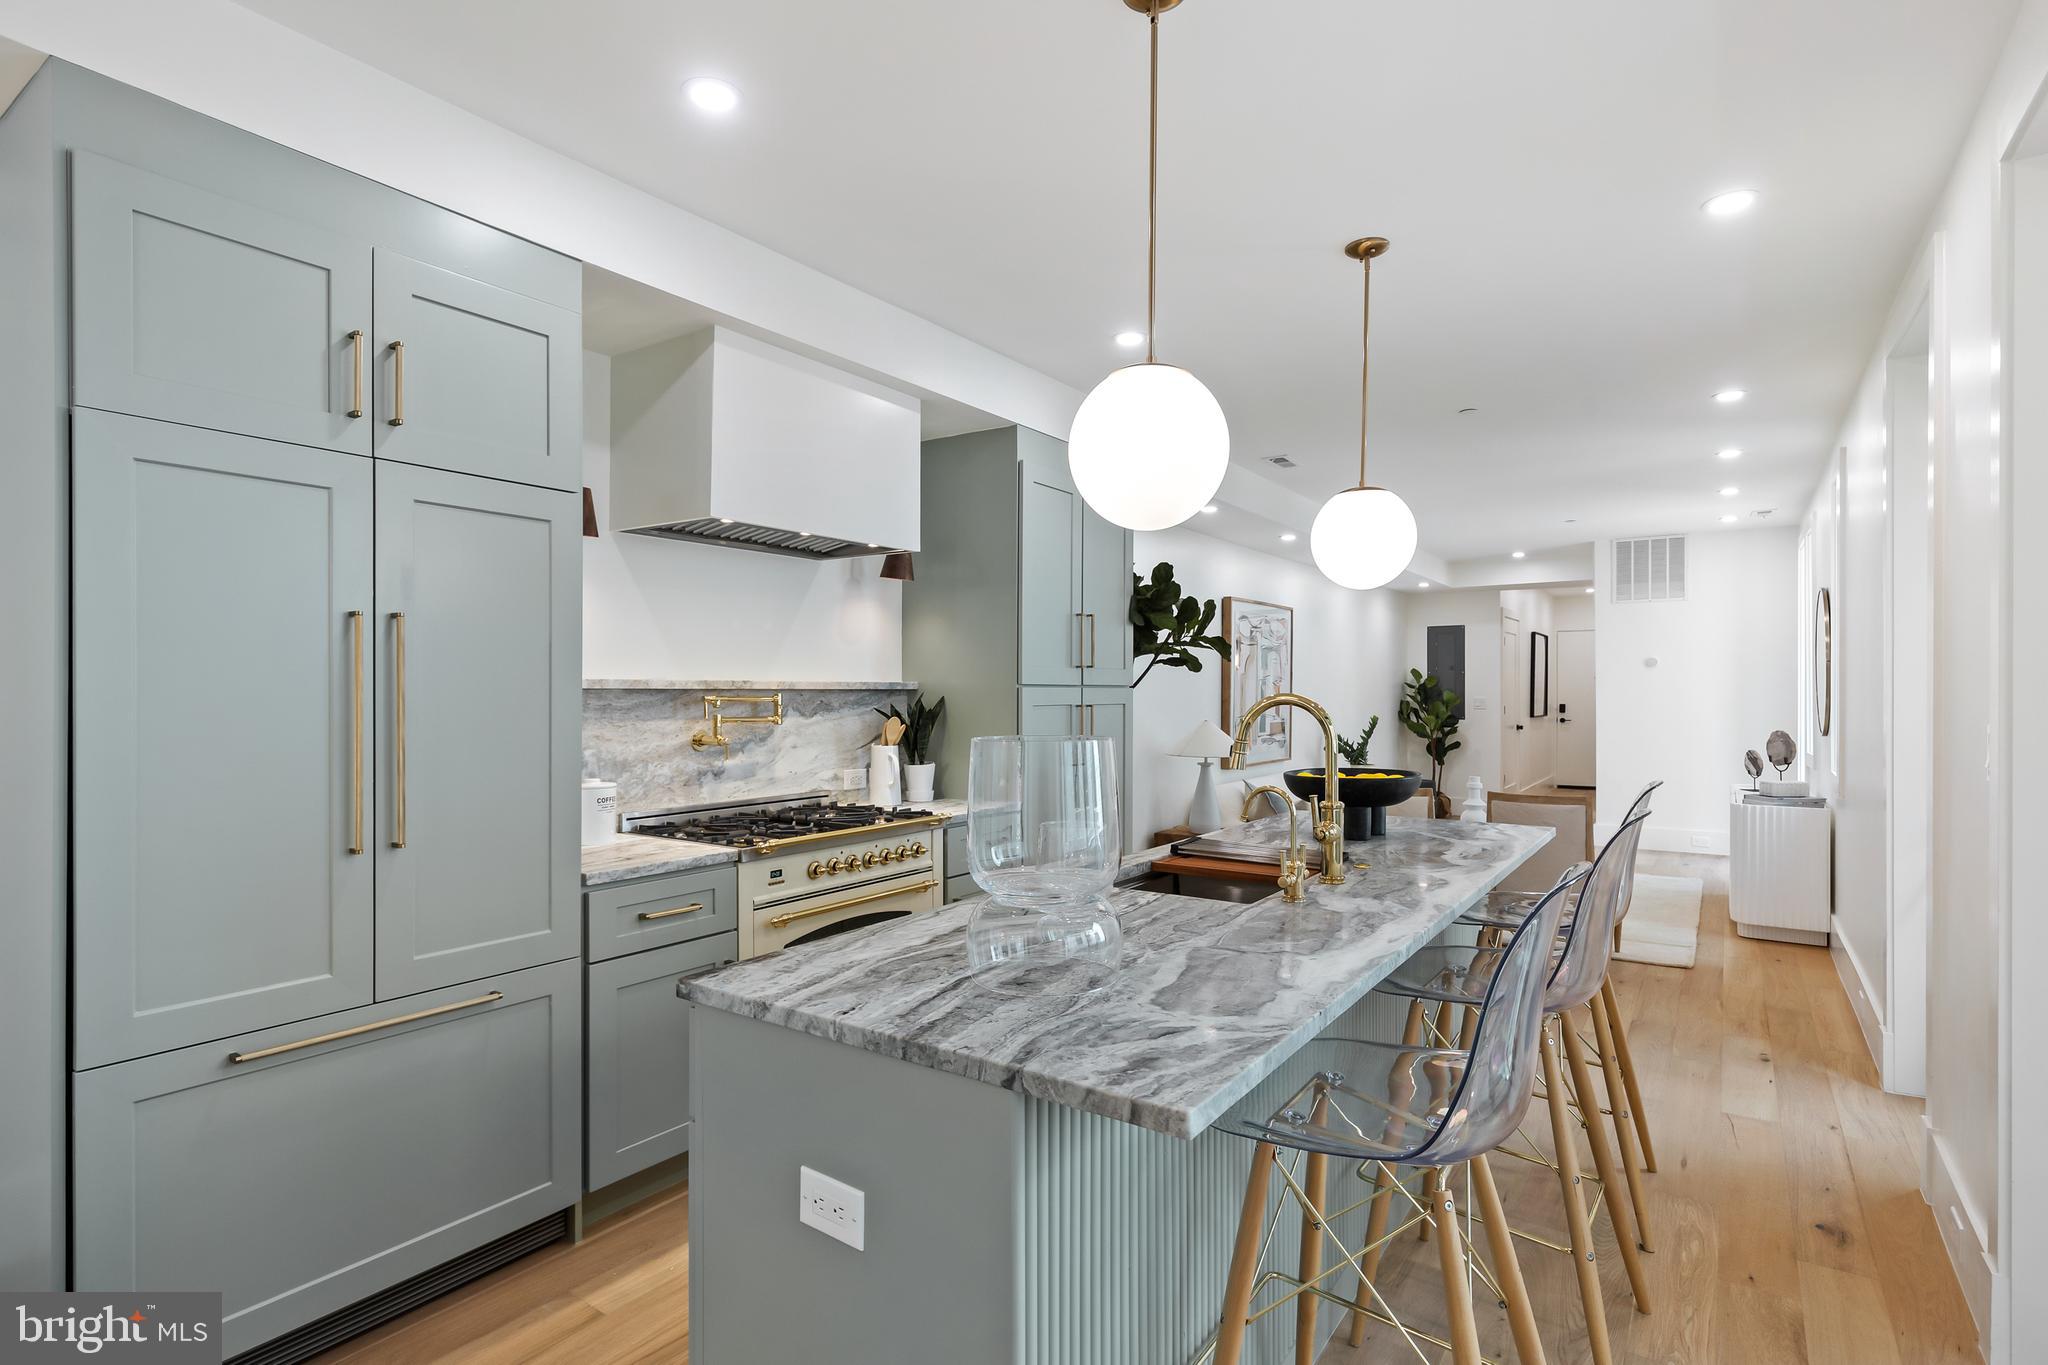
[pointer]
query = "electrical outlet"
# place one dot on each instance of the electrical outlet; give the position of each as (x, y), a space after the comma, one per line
(836, 1209)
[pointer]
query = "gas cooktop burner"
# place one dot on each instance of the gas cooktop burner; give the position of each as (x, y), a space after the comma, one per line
(752, 828)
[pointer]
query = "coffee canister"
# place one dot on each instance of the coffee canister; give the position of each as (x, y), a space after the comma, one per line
(600, 811)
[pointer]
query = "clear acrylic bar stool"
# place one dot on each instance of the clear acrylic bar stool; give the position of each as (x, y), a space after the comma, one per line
(1382, 1105)
(1454, 977)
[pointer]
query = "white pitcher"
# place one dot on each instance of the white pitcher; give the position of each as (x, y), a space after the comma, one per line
(885, 775)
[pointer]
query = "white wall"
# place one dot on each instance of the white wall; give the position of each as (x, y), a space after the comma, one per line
(1478, 611)
(1533, 608)
(657, 608)
(1725, 676)
(1347, 655)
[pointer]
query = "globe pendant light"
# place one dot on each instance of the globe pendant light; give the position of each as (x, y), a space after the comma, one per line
(1365, 536)
(1149, 445)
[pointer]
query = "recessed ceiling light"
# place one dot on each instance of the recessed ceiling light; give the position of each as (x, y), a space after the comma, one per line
(1589, 590)
(1130, 340)
(1731, 517)
(1731, 395)
(1732, 204)
(1730, 491)
(1210, 510)
(1519, 554)
(1422, 585)
(1288, 535)
(1731, 453)
(712, 95)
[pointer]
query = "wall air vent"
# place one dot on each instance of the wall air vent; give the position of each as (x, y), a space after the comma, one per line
(1280, 462)
(744, 536)
(1649, 569)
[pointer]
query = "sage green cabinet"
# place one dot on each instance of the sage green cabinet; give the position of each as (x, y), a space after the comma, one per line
(475, 378)
(1105, 574)
(638, 1044)
(193, 307)
(1048, 711)
(221, 591)
(296, 1183)
(479, 689)
(1052, 626)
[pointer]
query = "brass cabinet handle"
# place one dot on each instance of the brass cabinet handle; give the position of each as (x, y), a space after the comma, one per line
(1091, 720)
(355, 727)
(672, 911)
(398, 729)
(1091, 639)
(397, 418)
(784, 921)
(260, 1053)
(355, 340)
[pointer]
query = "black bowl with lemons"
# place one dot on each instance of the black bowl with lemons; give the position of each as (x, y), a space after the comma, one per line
(1365, 791)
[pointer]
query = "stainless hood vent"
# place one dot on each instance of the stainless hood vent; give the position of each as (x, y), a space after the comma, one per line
(741, 535)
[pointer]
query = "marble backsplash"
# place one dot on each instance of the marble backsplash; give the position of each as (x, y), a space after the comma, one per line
(639, 737)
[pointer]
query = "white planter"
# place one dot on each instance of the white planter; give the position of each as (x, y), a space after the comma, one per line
(917, 782)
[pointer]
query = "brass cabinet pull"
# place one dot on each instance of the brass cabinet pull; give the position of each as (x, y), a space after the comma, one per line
(1091, 639)
(784, 921)
(1080, 650)
(398, 729)
(355, 727)
(355, 341)
(1091, 720)
(359, 1029)
(397, 418)
(672, 911)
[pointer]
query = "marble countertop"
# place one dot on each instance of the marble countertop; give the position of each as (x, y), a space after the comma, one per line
(1212, 996)
(737, 685)
(643, 855)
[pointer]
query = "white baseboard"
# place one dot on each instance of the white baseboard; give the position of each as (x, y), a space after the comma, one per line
(1670, 838)
(1963, 1233)
(1863, 999)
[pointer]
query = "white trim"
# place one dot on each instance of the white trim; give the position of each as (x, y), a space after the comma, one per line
(1864, 999)
(1671, 838)
(1964, 1234)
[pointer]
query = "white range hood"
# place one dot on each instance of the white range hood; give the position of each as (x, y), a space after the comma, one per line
(721, 438)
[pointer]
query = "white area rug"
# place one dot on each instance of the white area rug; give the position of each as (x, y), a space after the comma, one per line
(1663, 924)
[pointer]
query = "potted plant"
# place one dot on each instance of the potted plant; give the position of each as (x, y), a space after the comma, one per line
(919, 724)
(1431, 715)
(1355, 750)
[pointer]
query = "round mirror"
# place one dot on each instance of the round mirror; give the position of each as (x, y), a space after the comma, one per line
(1823, 661)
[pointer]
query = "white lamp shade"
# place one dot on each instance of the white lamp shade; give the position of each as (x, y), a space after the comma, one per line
(1206, 740)
(1149, 447)
(1363, 537)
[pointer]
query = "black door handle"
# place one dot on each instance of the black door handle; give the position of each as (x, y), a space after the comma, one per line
(1518, 727)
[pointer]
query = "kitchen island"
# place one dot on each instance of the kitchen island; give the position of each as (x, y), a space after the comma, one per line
(1038, 1182)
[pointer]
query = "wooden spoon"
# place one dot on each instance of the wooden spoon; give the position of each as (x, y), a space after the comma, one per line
(892, 730)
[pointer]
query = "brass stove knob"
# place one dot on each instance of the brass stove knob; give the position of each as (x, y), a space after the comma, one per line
(903, 852)
(836, 866)
(815, 870)
(917, 850)
(887, 855)
(869, 859)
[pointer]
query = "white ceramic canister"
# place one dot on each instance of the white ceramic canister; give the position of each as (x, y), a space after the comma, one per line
(600, 811)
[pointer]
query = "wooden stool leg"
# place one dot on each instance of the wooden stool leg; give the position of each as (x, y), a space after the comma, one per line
(1244, 1261)
(1315, 1182)
(1432, 1179)
(1628, 1077)
(1603, 1161)
(1562, 1134)
(1457, 1288)
(1507, 1268)
(1383, 1198)
(1624, 1119)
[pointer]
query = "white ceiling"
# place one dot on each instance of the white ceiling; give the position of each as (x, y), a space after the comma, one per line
(1539, 169)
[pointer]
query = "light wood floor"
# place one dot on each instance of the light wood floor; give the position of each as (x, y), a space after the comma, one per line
(1786, 1211)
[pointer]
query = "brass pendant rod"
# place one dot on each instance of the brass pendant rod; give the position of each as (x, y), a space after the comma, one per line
(1152, 201)
(1364, 369)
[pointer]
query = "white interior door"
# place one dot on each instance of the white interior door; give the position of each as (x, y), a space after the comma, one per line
(1514, 703)
(1575, 709)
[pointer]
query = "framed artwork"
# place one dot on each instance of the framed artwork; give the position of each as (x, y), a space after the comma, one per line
(1539, 674)
(1261, 636)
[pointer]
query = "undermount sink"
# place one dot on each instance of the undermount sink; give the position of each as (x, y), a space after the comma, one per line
(1211, 888)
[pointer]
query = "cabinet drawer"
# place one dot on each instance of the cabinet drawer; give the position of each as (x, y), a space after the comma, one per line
(960, 888)
(638, 1049)
(634, 916)
(299, 1182)
(955, 864)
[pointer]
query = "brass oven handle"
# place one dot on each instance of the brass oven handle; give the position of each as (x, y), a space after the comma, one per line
(355, 741)
(355, 341)
(398, 729)
(882, 827)
(784, 921)
(260, 1053)
(397, 418)
(672, 911)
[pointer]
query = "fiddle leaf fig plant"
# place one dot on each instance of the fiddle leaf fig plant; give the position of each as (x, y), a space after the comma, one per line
(1355, 750)
(1431, 715)
(1167, 628)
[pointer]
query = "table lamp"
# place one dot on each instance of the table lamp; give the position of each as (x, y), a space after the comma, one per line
(1206, 741)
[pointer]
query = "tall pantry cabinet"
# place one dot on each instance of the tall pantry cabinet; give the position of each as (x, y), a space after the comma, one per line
(325, 638)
